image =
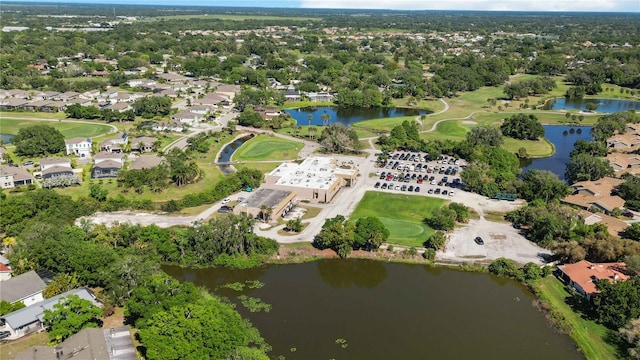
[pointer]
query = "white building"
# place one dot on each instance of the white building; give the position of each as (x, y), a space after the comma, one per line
(79, 146)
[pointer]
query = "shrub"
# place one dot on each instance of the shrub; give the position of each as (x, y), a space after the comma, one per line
(429, 254)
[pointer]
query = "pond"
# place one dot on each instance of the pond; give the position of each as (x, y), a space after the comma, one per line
(563, 138)
(602, 105)
(6, 138)
(227, 152)
(389, 311)
(348, 115)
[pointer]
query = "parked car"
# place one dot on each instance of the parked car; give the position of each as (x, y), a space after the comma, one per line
(437, 191)
(226, 201)
(377, 185)
(451, 193)
(410, 188)
(417, 189)
(430, 191)
(627, 214)
(479, 240)
(225, 209)
(384, 186)
(27, 163)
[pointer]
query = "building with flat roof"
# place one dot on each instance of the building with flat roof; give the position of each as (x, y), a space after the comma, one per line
(278, 203)
(317, 179)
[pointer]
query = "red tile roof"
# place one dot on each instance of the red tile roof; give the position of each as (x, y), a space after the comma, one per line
(4, 268)
(586, 274)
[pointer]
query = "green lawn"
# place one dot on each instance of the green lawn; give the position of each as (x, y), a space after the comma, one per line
(401, 214)
(382, 124)
(590, 337)
(535, 148)
(265, 147)
(68, 129)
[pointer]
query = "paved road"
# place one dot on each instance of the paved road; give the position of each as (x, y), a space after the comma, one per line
(222, 122)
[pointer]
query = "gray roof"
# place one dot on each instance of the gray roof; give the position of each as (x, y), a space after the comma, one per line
(21, 286)
(35, 312)
(77, 140)
(49, 161)
(145, 162)
(108, 164)
(268, 197)
(88, 344)
(57, 169)
(107, 155)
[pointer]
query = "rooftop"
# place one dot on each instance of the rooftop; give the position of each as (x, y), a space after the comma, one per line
(587, 274)
(20, 287)
(145, 162)
(265, 197)
(51, 161)
(314, 172)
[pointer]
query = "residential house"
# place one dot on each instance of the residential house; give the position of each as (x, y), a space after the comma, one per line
(115, 144)
(89, 344)
(188, 118)
(143, 144)
(168, 126)
(145, 162)
(292, 95)
(120, 107)
(140, 82)
(212, 99)
(624, 163)
(55, 167)
(267, 113)
(79, 146)
(626, 142)
(66, 96)
(90, 95)
(29, 319)
(229, 91)
(12, 176)
(172, 77)
(596, 194)
(12, 103)
(18, 94)
(26, 288)
(614, 225)
(201, 109)
(107, 165)
(584, 275)
(166, 92)
(107, 96)
(319, 96)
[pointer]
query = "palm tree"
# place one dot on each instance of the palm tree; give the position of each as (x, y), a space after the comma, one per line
(265, 213)
(312, 132)
(310, 117)
(325, 118)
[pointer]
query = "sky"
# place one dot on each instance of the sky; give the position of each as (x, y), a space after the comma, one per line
(488, 5)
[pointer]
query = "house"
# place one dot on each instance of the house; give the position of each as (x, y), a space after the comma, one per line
(201, 109)
(267, 113)
(12, 103)
(146, 162)
(229, 91)
(89, 344)
(5, 272)
(143, 144)
(614, 225)
(596, 194)
(11, 176)
(66, 96)
(319, 96)
(107, 165)
(292, 95)
(624, 163)
(115, 144)
(584, 275)
(29, 319)
(79, 146)
(188, 118)
(26, 288)
(140, 82)
(212, 99)
(120, 107)
(167, 126)
(627, 141)
(54, 167)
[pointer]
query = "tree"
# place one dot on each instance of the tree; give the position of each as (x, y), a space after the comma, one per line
(294, 225)
(61, 283)
(633, 232)
(70, 315)
(523, 127)
(97, 192)
(442, 219)
(630, 333)
(583, 167)
(152, 106)
(206, 329)
(38, 140)
(370, 233)
(339, 139)
(463, 214)
(484, 135)
(504, 267)
(541, 184)
(6, 307)
(618, 302)
(337, 234)
(436, 240)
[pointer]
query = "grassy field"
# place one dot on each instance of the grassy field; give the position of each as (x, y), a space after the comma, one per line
(590, 336)
(265, 147)
(68, 129)
(401, 214)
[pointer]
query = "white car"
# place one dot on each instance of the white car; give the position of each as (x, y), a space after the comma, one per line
(226, 201)
(451, 193)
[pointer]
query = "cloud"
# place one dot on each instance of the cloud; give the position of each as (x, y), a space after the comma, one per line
(488, 5)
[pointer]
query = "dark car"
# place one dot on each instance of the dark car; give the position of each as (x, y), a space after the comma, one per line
(225, 209)
(479, 240)
(404, 188)
(437, 191)
(417, 189)
(430, 191)
(410, 188)
(384, 186)
(628, 214)
(4, 334)
(377, 185)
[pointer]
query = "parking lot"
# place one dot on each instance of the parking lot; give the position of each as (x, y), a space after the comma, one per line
(417, 172)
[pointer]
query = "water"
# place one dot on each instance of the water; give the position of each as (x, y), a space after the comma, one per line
(227, 152)
(348, 115)
(6, 138)
(390, 311)
(563, 138)
(603, 105)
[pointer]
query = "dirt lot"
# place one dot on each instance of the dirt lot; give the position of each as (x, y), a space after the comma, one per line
(500, 240)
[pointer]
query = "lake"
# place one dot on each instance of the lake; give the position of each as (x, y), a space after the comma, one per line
(6, 138)
(389, 311)
(603, 105)
(563, 138)
(227, 152)
(348, 115)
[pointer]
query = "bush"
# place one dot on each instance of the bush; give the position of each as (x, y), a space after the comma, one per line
(170, 206)
(435, 241)
(412, 251)
(429, 254)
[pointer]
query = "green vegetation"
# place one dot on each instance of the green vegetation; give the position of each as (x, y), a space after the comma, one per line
(265, 147)
(401, 214)
(592, 338)
(69, 129)
(38, 140)
(342, 235)
(70, 316)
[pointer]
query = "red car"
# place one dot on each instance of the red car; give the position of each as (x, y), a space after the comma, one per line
(628, 214)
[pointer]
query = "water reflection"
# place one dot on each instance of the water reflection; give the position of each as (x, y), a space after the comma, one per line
(345, 273)
(325, 115)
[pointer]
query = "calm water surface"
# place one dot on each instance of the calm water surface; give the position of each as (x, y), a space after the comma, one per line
(6, 138)
(390, 311)
(603, 105)
(348, 115)
(228, 150)
(563, 138)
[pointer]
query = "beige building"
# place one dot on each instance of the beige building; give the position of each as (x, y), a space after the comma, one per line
(316, 179)
(596, 194)
(267, 203)
(623, 163)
